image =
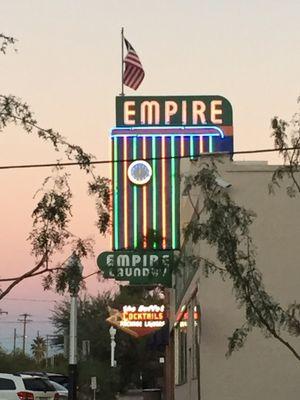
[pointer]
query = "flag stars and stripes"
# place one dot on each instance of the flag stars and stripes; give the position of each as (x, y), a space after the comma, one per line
(134, 72)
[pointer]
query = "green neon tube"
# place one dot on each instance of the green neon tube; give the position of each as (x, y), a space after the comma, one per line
(210, 144)
(191, 147)
(135, 206)
(116, 196)
(154, 189)
(173, 188)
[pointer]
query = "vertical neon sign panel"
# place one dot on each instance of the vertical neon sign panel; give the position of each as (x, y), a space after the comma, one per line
(154, 190)
(135, 203)
(150, 137)
(115, 195)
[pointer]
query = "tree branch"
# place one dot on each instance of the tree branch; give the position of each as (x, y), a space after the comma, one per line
(28, 274)
(5, 41)
(225, 225)
(93, 273)
(272, 330)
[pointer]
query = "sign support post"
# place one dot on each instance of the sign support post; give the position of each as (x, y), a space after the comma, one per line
(94, 386)
(73, 350)
(112, 332)
(122, 62)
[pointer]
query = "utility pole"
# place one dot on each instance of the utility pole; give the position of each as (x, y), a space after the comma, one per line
(48, 340)
(25, 321)
(73, 349)
(3, 312)
(74, 286)
(15, 340)
(66, 343)
(47, 353)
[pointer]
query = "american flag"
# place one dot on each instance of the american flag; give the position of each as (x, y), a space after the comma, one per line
(134, 72)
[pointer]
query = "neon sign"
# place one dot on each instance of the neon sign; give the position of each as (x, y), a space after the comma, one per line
(143, 316)
(138, 268)
(163, 131)
(173, 110)
(155, 132)
(139, 320)
(152, 113)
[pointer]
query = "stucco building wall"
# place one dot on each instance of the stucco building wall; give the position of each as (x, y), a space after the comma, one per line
(264, 368)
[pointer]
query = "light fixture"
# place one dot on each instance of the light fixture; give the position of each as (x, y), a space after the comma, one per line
(222, 183)
(139, 172)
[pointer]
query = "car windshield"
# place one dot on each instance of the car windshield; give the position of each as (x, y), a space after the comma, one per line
(38, 385)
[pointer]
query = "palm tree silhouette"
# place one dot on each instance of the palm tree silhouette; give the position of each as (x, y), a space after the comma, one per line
(39, 348)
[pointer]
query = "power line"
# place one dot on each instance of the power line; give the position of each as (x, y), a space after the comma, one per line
(21, 321)
(68, 164)
(33, 300)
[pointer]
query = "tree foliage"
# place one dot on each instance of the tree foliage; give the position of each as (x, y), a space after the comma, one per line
(12, 363)
(5, 42)
(39, 349)
(225, 225)
(134, 356)
(52, 214)
(18, 361)
(92, 325)
(286, 137)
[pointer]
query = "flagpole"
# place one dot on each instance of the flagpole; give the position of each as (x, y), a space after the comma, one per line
(122, 63)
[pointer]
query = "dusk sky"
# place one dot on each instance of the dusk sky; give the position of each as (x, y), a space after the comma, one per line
(68, 69)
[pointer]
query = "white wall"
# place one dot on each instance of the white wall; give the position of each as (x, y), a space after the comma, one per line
(264, 368)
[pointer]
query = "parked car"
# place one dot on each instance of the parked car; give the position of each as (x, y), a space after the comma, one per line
(26, 387)
(60, 389)
(59, 378)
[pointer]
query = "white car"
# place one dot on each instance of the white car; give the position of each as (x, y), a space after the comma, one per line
(61, 390)
(26, 387)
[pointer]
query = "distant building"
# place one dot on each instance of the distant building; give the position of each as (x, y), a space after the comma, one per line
(203, 311)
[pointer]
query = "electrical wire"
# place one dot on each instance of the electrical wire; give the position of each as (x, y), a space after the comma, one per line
(19, 322)
(72, 163)
(33, 300)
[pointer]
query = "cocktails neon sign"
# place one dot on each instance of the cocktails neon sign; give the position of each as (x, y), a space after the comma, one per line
(139, 320)
(143, 316)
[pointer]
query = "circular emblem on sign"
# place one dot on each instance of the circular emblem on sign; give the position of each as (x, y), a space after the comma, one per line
(140, 172)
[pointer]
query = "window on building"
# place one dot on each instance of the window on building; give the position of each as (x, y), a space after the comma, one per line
(181, 352)
(195, 339)
(185, 272)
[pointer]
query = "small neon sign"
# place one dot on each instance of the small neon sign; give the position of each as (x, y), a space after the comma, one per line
(139, 320)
